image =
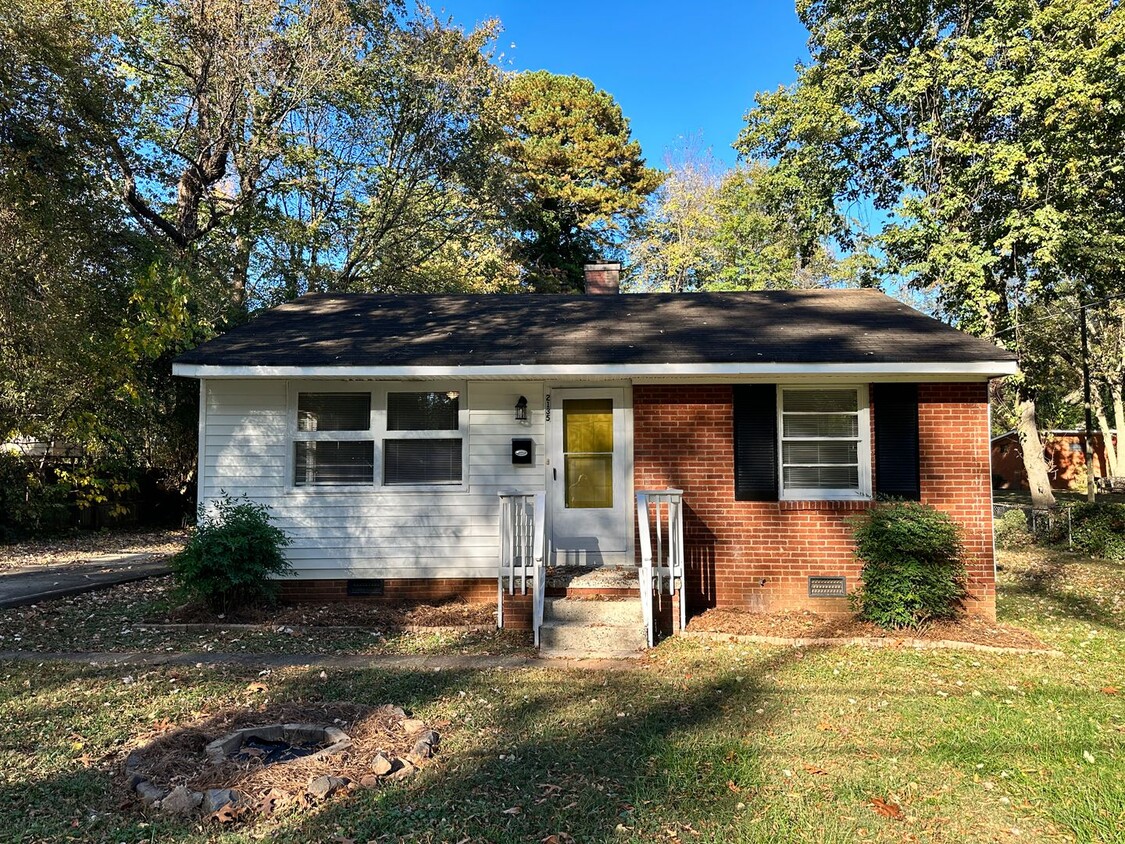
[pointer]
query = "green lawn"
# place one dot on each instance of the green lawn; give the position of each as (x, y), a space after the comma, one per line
(707, 744)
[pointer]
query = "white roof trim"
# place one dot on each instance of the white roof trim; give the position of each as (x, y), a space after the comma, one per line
(977, 369)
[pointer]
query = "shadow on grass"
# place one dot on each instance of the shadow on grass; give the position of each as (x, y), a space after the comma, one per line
(525, 754)
(1046, 580)
(570, 763)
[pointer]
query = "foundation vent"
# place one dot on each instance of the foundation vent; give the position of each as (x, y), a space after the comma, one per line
(365, 588)
(828, 587)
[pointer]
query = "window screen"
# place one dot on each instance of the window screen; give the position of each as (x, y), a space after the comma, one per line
(329, 462)
(422, 461)
(422, 411)
(820, 441)
(333, 411)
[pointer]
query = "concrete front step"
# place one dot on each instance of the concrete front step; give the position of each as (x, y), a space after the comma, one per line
(626, 612)
(594, 640)
(598, 628)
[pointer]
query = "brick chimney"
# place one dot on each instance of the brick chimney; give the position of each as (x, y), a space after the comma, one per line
(603, 278)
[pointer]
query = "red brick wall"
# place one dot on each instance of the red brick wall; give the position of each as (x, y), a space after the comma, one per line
(517, 608)
(472, 590)
(953, 438)
(759, 555)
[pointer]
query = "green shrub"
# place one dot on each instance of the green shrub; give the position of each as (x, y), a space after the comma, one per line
(232, 555)
(1012, 532)
(1098, 529)
(912, 570)
(33, 502)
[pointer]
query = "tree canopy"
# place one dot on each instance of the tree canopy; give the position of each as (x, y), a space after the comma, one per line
(715, 229)
(987, 135)
(167, 167)
(577, 178)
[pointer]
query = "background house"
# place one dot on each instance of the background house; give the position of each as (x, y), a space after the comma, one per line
(1065, 452)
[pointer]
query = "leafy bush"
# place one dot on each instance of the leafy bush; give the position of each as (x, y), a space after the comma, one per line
(232, 555)
(31, 501)
(1012, 532)
(912, 570)
(1098, 529)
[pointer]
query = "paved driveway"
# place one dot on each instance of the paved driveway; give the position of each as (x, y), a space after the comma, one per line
(32, 585)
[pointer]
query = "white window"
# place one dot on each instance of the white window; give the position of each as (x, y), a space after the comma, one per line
(391, 436)
(423, 443)
(824, 442)
(333, 444)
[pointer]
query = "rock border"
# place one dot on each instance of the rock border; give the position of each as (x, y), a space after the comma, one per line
(864, 641)
(336, 740)
(229, 804)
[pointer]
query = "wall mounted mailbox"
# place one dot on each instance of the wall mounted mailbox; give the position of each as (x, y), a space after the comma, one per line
(523, 451)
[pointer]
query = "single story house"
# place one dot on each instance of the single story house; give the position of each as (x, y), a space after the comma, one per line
(382, 430)
(1064, 451)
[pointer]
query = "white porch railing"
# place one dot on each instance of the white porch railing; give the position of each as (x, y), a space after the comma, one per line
(661, 523)
(522, 553)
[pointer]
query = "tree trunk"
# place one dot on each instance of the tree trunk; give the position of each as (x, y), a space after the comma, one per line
(1116, 444)
(240, 277)
(1034, 464)
(1111, 466)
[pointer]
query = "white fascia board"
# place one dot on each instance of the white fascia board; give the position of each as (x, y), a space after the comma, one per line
(973, 370)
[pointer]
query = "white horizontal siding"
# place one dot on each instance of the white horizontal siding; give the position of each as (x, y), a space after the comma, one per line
(372, 532)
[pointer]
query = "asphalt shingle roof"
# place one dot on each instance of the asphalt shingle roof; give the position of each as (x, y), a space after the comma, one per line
(778, 326)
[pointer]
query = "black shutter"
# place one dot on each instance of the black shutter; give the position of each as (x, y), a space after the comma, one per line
(896, 440)
(755, 442)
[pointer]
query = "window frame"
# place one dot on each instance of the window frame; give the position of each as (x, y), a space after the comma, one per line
(863, 446)
(296, 435)
(376, 433)
(460, 433)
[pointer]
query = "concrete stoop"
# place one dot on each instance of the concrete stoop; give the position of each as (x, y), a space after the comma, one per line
(611, 628)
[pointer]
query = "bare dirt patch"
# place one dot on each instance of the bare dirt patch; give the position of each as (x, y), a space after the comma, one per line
(87, 548)
(169, 769)
(810, 625)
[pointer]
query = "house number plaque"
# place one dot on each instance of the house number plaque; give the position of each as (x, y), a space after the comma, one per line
(547, 408)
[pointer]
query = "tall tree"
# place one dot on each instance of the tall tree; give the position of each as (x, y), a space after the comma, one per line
(166, 165)
(578, 179)
(674, 247)
(710, 229)
(83, 354)
(295, 145)
(986, 132)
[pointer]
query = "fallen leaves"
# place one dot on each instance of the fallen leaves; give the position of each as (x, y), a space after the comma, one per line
(815, 771)
(273, 800)
(224, 814)
(885, 808)
(257, 686)
(1110, 690)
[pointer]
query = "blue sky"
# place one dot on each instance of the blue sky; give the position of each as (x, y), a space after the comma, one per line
(679, 70)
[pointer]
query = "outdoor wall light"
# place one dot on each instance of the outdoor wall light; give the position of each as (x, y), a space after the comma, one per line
(521, 410)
